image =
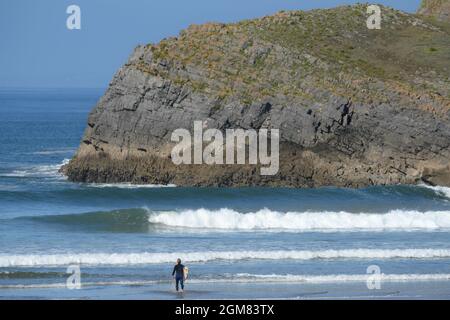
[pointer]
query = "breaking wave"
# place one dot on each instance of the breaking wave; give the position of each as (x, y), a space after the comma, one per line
(144, 220)
(65, 151)
(304, 221)
(445, 191)
(96, 259)
(129, 185)
(41, 171)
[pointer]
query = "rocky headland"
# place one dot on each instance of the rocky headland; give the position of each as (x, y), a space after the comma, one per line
(355, 107)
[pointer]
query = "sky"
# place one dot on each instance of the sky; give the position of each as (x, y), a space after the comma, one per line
(37, 50)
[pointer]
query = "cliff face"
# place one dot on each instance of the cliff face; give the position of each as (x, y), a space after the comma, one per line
(439, 9)
(355, 107)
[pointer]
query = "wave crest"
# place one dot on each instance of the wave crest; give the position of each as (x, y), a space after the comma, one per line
(40, 171)
(445, 191)
(306, 221)
(143, 220)
(160, 258)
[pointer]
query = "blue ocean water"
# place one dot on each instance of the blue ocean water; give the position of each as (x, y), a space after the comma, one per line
(241, 243)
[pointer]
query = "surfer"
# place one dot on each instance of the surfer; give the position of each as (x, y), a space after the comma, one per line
(179, 273)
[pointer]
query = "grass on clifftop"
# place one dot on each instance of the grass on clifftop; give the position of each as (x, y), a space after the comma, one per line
(297, 53)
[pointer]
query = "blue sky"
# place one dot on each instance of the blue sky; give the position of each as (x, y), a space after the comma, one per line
(37, 50)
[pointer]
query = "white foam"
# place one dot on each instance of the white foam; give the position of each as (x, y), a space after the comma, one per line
(33, 286)
(303, 221)
(83, 284)
(157, 258)
(445, 191)
(254, 278)
(129, 185)
(55, 151)
(342, 277)
(38, 171)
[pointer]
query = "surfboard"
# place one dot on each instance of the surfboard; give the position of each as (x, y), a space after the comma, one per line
(186, 272)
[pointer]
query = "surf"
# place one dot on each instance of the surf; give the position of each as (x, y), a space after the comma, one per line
(37, 171)
(445, 191)
(265, 219)
(250, 278)
(143, 258)
(226, 219)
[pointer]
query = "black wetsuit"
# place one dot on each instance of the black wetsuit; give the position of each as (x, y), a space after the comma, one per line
(178, 271)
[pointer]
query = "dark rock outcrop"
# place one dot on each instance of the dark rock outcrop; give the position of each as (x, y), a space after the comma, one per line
(355, 107)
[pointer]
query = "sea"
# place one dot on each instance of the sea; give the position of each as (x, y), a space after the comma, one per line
(66, 240)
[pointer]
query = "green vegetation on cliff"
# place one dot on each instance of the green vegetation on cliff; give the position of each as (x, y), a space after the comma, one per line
(291, 52)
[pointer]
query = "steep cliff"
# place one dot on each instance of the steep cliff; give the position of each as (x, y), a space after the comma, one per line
(354, 106)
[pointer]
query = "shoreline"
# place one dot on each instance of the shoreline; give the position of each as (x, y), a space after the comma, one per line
(244, 291)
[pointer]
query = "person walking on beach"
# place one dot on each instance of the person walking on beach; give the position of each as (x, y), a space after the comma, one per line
(178, 272)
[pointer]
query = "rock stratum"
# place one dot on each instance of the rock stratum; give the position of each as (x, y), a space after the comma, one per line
(355, 107)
